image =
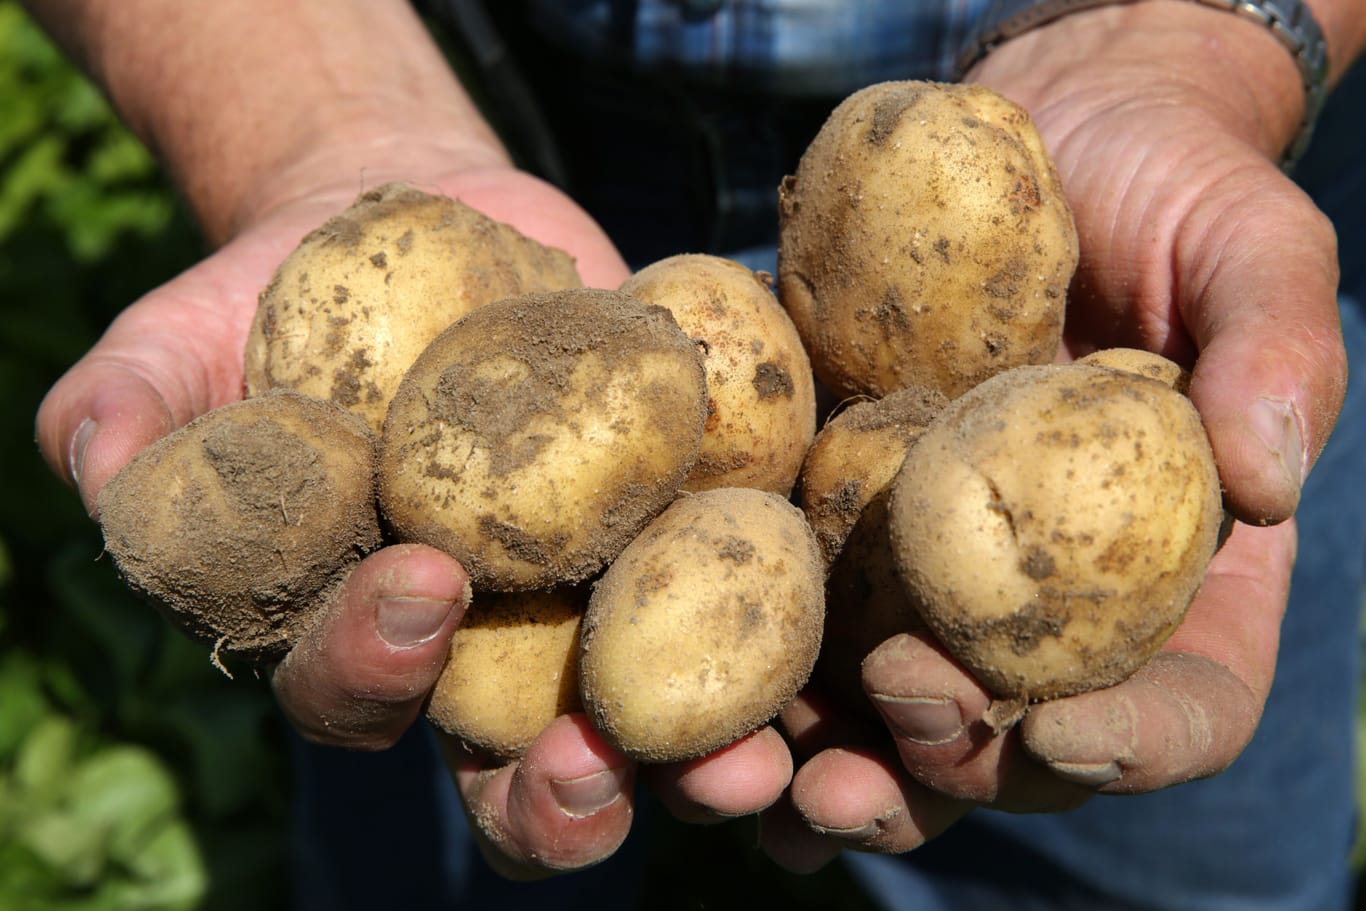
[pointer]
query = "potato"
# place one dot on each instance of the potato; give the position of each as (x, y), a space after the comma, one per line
(351, 308)
(1144, 363)
(705, 626)
(843, 492)
(924, 241)
(533, 439)
(854, 458)
(1053, 524)
(761, 396)
(513, 668)
(235, 524)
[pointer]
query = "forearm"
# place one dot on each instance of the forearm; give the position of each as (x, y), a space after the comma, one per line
(243, 100)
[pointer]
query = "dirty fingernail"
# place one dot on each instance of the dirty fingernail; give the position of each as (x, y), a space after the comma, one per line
(580, 798)
(409, 622)
(852, 833)
(927, 721)
(1277, 424)
(1091, 774)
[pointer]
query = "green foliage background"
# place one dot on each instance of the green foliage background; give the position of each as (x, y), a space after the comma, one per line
(132, 774)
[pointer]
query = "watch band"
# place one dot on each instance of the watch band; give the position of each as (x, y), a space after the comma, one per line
(1289, 20)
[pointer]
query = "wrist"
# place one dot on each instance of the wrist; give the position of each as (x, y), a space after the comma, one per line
(330, 168)
(1207, 68)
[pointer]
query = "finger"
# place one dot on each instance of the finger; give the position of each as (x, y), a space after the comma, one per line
(359, 676)
(1179, 717)
(942, 722)
(1194, 707)
(816, 720)
(169, 357)
(862, 800)
(1262, 309)
(738, 780)
(566, 805)
(789, 842)
(94, 421)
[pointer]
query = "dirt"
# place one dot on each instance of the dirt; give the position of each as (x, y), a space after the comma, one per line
(509, 381)
(234, 525)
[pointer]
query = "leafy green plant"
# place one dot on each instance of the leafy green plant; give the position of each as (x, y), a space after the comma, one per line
(132, 774)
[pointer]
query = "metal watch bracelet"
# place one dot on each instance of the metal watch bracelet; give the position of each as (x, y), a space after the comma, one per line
(1289, 20)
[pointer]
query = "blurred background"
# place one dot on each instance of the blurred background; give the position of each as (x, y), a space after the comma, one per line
(133, 775)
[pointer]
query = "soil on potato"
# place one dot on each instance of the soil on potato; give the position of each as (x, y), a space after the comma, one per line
(239, 579)
(465, 397)
(460, 388)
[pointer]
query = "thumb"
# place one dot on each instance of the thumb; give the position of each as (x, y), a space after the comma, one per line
(1271, 375)
(95, 420)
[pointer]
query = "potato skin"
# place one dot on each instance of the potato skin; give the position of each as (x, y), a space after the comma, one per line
(235, 524)
(513, 668)
(761, 395)
(354, 304)
(1054, 523)
(1144, 363)
(844, 488)
(924, 241)
(535, 437)
(855, 457)
(704, 627)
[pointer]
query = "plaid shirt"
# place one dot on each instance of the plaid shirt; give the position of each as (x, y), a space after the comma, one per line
(785, 47)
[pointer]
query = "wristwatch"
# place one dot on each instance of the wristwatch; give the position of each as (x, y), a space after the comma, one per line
(1289, 20)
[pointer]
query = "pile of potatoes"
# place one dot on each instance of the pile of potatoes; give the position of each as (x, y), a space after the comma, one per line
(655, 532)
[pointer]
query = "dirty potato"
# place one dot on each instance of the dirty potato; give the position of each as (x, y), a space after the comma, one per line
(350, 309)
(924, 241)
(1053, 524)
(535, 437)
(705, 626)
(761, 397)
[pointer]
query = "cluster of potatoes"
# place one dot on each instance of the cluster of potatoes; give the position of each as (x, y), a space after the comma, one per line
(655, 532)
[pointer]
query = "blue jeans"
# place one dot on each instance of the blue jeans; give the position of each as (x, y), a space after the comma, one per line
(1273, 831)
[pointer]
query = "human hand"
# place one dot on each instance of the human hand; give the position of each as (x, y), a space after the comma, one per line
(360, 676)
(1193, 245)
(568, 803)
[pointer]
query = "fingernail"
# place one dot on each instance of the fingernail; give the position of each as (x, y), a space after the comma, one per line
(580, 798)
(1277, 424)
(927, 721)
(80, 441)
(1092, 774)
(853, 833)
(409, 622)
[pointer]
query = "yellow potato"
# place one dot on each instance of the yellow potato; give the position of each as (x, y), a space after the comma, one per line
(1054, 523)
(351, 308)
(843, 492)
(704, 627)
(513, 668)
(1144, 363)
(854, 458)
(535, 437)
(924, 241)
(761, 396)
